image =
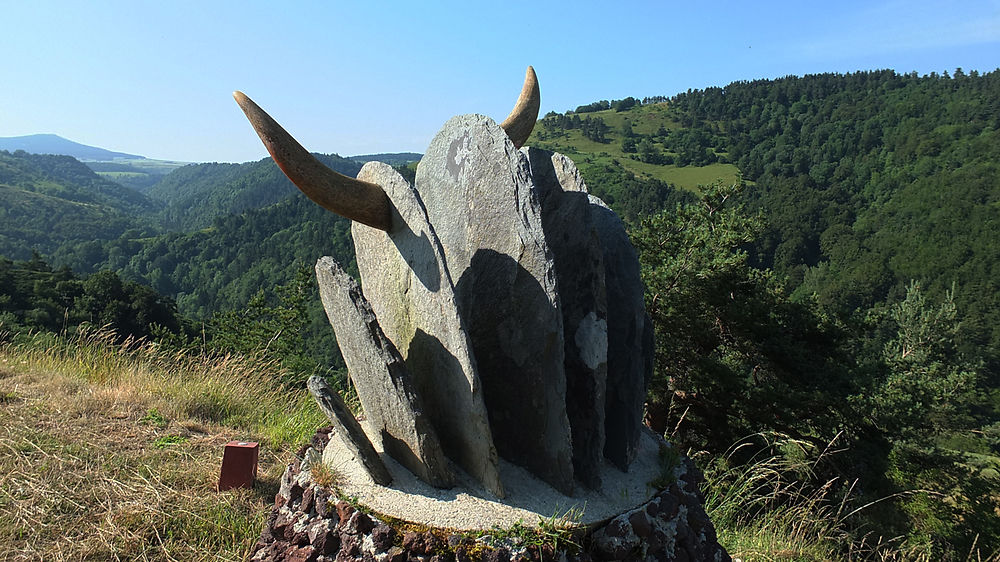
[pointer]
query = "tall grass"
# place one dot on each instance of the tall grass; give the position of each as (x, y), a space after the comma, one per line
(230, 390)
(111, 451)
(767, 504)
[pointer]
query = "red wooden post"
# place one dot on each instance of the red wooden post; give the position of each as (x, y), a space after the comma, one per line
(239, 465)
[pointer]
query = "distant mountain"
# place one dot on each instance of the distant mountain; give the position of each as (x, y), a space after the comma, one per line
(54, 144)
(392, 159)
(130, 170)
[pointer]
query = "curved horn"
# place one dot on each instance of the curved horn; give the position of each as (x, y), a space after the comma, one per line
(522, 119)
(348, 197)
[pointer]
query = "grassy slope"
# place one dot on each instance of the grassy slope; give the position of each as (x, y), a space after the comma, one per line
(645, 120)
(113, 452)
(139, 175)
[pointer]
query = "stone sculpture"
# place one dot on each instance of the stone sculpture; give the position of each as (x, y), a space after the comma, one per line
(502, 311)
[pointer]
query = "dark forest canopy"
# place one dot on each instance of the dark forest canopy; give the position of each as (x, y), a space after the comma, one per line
(193, 196)
(871, 180)
(36, 297)
(867, 180)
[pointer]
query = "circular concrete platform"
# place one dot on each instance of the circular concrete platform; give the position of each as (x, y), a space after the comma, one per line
(468, 506)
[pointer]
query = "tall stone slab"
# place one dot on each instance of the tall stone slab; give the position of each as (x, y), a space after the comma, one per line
(579, 262)
(348, 429)
(567, 174)
(476, 187)
(387, 392)
(410, 289)
(630, 350)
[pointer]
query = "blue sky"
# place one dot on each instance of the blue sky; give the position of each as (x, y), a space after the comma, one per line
(155, 78)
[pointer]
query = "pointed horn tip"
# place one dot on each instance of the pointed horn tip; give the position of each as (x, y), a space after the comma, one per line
(522, 118)
(243, 100)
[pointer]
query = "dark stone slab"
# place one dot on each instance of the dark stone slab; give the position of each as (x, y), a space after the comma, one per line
(630, 349)
(579, 264)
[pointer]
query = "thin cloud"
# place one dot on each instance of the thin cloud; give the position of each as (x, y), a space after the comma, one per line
(901, 27)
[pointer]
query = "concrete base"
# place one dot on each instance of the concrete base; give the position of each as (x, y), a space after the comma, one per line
(468, 506)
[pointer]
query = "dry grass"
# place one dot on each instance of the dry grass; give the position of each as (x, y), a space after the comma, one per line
(112, 452)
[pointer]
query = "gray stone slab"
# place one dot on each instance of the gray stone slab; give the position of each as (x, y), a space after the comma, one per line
(476, 187)
(387, 392)
(348, 429)
(630, 351)
(567, 174)
(579, 262)
(410, 289)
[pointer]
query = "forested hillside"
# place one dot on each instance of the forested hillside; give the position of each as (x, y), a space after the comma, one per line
(49, 201)
(870, 181)
(867, 180)
(392, 159)
(194, 195)
(850, 285)
(241, 234)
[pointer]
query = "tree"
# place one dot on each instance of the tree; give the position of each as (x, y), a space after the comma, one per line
(927, 383)
(591, 107)
(924, 401)
(734, 354)
(647, 151)
(594, 129)
(104, 299)
(625, 104)
(273, 325)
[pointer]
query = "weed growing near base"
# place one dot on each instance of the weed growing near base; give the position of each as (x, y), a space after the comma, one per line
(557, 533)
(669, 460)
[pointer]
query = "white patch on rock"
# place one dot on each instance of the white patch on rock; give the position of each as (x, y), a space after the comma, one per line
(592, 340)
